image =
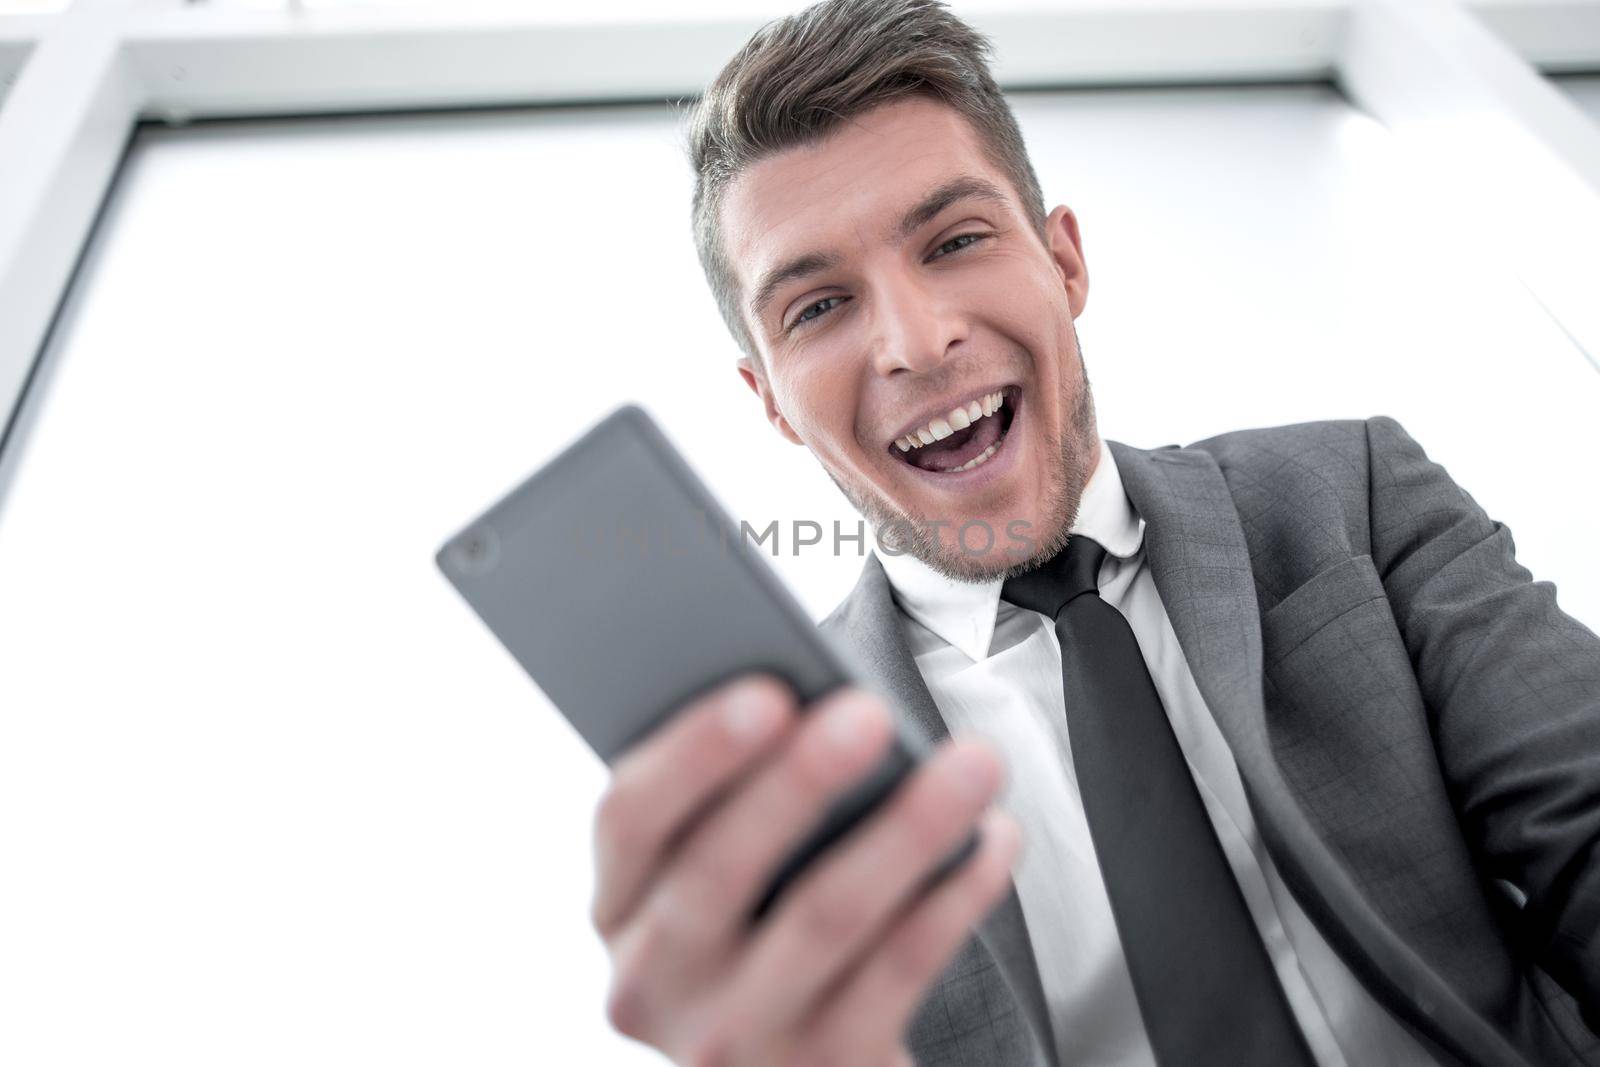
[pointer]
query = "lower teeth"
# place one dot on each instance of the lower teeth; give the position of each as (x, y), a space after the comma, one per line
(981, 457)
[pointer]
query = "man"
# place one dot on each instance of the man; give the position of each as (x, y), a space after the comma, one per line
(1307, 767)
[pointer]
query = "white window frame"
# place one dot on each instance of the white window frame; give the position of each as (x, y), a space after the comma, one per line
(1448, 77)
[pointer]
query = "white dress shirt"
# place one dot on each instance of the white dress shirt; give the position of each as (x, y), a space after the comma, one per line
(994, 671)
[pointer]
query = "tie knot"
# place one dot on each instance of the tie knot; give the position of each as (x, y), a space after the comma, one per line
(1052, 586)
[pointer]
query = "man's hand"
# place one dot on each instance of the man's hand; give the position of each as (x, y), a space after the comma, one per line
(695, 823)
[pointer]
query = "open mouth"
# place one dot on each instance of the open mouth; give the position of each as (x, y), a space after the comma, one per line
(963, 439)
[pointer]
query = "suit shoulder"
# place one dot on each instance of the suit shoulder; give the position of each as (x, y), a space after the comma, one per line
(1272, 445)
(1302, 492)
(1322, 444)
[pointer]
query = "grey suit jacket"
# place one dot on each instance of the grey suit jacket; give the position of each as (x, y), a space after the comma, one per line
(1416, 722)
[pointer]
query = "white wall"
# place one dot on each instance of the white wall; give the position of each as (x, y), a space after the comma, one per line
(269, 793)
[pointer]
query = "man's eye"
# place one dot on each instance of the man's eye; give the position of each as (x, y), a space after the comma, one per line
(971, 237)
(806, 316)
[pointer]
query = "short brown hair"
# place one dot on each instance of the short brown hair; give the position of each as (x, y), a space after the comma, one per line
(799, 77)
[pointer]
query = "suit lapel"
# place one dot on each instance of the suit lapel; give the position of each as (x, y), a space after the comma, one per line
(1200, 561)
(869, 622)
(1201, 566)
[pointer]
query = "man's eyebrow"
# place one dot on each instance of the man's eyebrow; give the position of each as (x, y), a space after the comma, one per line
(956, 189)
(926, 209)
(799, 267)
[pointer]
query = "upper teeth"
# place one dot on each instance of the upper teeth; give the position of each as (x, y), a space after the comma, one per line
(948, 423)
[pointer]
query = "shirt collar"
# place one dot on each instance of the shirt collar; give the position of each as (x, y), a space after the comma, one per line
(963, 613)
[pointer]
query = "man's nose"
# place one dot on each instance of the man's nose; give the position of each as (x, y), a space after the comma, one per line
(915, 326)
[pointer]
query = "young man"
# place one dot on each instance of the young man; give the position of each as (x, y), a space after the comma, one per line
(1307, 766)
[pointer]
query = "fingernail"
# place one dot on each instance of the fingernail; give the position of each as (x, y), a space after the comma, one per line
(749, 712)
(1009, 834)
(848, 721)
(974, 770)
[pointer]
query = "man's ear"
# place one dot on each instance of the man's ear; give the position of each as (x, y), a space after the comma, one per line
(756, 379)
(1066, 248)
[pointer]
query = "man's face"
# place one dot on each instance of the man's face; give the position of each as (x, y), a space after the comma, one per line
(904, 319)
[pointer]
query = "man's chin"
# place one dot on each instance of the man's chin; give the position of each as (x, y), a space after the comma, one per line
(960, 565)
(973, 550)
(1002, 542)
(979, 548)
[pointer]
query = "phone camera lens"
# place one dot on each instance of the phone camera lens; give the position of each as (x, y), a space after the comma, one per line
(476, 551)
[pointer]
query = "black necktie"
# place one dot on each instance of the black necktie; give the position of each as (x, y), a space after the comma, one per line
(1205, 986)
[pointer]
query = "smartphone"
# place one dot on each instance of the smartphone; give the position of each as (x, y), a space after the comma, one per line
(625, 591)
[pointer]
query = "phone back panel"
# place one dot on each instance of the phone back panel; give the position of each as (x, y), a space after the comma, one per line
(624, 590)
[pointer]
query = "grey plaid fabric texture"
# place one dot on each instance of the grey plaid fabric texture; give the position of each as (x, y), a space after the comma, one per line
(1416, 721)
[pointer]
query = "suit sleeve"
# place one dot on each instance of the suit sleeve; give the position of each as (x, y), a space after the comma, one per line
(1512, 688)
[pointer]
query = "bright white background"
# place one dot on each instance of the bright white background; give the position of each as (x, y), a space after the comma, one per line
(269, 793)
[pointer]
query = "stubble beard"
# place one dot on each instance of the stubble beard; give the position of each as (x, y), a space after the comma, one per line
(1067, 458)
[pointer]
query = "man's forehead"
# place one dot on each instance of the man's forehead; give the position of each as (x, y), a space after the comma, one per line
(863, 175)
